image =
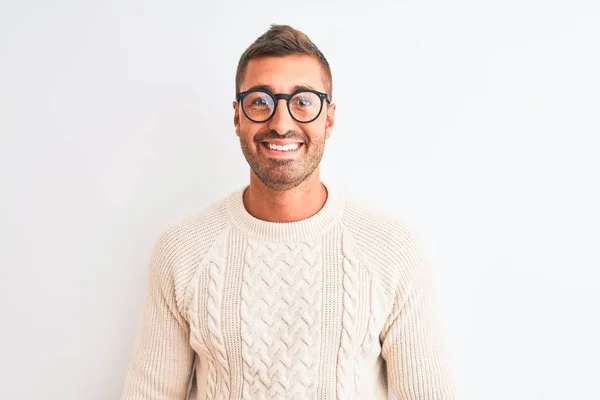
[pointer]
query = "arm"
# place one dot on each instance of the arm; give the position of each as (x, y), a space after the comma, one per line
(412, 343)
(162, 359)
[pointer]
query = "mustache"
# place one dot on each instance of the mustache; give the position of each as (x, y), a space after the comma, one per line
(290, 135)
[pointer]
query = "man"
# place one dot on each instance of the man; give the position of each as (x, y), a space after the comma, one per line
(286, 289)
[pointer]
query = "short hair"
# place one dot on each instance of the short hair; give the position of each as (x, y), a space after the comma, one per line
(282, 40)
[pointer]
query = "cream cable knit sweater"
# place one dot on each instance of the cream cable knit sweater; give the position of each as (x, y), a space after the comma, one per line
(336, 306)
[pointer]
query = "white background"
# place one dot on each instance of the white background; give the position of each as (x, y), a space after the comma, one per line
(475, 121)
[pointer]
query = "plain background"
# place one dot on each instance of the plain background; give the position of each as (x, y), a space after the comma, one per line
(475, 121)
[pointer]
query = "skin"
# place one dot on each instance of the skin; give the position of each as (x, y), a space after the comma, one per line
(284, 188)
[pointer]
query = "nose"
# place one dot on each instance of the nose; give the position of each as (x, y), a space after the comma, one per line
(282, 121)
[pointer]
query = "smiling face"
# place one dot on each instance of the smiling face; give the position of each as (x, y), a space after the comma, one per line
(281, 151)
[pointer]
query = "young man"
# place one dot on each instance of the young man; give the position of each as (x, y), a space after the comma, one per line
(286, 289)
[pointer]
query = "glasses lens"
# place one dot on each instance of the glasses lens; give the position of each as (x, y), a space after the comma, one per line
(305, 106)
(258, 106)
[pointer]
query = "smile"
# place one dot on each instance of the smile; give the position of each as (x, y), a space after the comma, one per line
(278, 148)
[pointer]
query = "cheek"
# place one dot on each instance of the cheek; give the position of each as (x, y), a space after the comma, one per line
(316, 131)
(248, 130)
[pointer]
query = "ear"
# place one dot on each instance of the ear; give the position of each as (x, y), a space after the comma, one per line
(236, 117)
(330, 120)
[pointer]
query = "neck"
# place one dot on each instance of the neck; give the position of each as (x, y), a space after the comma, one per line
(298, 203)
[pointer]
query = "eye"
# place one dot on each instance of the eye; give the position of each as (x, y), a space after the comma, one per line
(260, 101)
(302, 101)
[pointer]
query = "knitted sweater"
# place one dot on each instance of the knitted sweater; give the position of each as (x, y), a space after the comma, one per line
(336, 306)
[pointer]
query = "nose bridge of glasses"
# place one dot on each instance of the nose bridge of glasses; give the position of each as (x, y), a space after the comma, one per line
(280, 96)
(278, 109)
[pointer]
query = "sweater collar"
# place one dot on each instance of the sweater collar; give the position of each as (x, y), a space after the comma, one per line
(313, 226)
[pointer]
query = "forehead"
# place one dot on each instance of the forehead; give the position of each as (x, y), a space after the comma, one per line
(284, 72)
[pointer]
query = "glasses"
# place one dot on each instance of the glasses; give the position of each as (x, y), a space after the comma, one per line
(304, 105)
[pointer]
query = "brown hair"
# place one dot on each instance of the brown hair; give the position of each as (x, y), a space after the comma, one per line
(281, 40)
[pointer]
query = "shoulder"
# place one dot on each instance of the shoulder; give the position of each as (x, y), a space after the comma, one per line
(392, 247)
(180, 247)
(378, 229)
(364, 217)
(193, 232)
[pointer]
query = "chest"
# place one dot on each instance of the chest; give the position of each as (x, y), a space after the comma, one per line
(270, 312)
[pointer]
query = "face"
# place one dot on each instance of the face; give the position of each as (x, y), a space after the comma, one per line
(280, 169)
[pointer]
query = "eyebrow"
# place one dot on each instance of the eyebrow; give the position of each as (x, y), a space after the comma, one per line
(270, 88)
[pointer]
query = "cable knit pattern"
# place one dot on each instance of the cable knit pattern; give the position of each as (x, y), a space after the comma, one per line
(215, 293)
(281, 319)
(335, 306)
(212, 379)
(371, 335)
(375, 305)
(345, 367)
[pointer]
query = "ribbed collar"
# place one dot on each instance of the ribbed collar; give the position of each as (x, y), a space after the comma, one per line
(319, 223)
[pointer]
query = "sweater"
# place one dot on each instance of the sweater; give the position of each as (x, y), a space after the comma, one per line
(339, 305)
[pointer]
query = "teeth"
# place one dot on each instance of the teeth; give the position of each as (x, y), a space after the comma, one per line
(286, 147)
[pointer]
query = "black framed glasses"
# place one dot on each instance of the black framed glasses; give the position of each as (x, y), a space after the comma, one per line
(304, 105)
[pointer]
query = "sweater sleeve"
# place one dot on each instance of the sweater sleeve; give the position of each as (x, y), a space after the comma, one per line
(161, 364)
(412, 341)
